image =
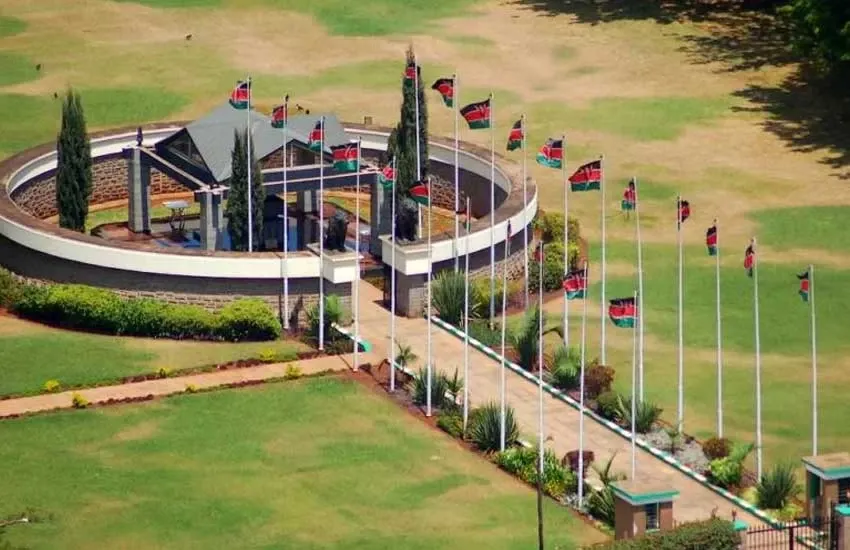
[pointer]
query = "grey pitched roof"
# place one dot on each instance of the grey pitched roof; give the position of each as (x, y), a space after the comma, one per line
(213, 135)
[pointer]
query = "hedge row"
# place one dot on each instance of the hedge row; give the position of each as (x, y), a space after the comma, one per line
(89, 308)
(713, 534)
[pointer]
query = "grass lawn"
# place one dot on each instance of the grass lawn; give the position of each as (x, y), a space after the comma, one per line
(31, 354)
(818, 227)
(322, 463)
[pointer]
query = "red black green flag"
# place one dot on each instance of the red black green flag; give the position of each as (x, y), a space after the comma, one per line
(420, 193)
(240, 97)
(711, 240)
(804, 285)
(446, 87)
(410, 71)
(575, 284)
(516, 136)
(539, 256)
(551, 154)
(588, 177)
(684, 208)
(749, 259)
(280, 114)
(317, 137)
(345, 157)
(477, 115)
(629, 197)
(622, 312)
(387, 176)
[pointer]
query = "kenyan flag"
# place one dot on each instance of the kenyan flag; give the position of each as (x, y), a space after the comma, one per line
(240, 97)
(345, 157)
(516, 135)
(684, 211)
(622, 312)
(280, 114)
(410, 71)
(575, 284)
(539, 256)
(749, 259)
(446, 87)
(387, 176)
(317, 136)
(629, 197)
(551, 154)
(420, 193)
(711, 240)
(477, 115)
(804, 286)
(588, 177)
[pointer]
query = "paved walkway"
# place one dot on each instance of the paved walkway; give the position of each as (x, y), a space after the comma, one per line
(177, 384)
(695, 502)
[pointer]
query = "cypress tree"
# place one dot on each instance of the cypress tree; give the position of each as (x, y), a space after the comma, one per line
(74, 165)
(403, 143)
(237, 199)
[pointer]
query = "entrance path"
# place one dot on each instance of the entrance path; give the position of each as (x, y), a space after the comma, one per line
(177, 384)
(695, 502)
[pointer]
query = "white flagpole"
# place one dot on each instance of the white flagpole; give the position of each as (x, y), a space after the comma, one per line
(603, 303)
(457, 169)
(524, 209)
(540, 441)
(680, 416)
(566, 238)
(250, 183)
(430, 364)
(719, 334)
(285, 222)
(581, 395)
(493, 214)
(503, 376)
(392, 287)
(640, 292)
(634, 380)
(321, 234)
(418, 145)
(466, 325)
(758, 360)
(356, 282)
(814, 363)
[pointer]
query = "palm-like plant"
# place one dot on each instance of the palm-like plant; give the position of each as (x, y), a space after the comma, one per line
(646, 413)
(565, 369)
(777, 487)
(448, 295)
(405, 356)
(454, 385)
(333, 315)
(439, 387)
(606, 473)
(524, 339)
(486, 427)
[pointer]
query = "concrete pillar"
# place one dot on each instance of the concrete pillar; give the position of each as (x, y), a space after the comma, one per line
(212, 219)
(306, 201)
(381, 210)
(842, 516)
(138, 191)
(410, 294)
(740, 528)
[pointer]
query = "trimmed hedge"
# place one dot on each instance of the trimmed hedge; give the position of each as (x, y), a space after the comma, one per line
(10, 288)
(95, 309)
(713, 534)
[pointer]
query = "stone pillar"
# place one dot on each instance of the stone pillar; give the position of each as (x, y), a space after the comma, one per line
(410, 294)
(823, 476)
(842, 516)
(138, 191)
(212, 219)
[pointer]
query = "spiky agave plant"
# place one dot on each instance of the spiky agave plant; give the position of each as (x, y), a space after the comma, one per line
(646, 413)
(439, 387)
(448, 295)
(486, 427)
(777, 487)
(565, 368)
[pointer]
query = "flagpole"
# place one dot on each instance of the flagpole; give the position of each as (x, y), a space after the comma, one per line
(566, 238)
(719, 334)
(250, 191)
(493, 216)
(457, 170)
(634, 389)
(604, 262)
(503, 376)
(392, 286)
(525, 209)
(466, 325)
(430, 269)
(814, 363)
(581, 395)
(640, 292)
(418, 144)
(758, 361)
(321, 234)
(285, 222)
(540, 441)
(680, 416)
(357, 259)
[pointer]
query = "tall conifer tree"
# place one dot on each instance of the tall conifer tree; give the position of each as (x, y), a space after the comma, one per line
(237, 200)
(74, 165)
(403, 142)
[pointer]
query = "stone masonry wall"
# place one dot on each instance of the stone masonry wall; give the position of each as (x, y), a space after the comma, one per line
(109, 183)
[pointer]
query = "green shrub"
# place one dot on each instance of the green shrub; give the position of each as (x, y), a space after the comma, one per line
(452, 424)
(293, 371)
(480, 330)
(73, 306)
(10, 288)
(51, 386)
(716, 447)
(333, 314)
(565, 370)
(646, 413)
(523, 463)
(191, 388)
(600, 504)
(248, 320)
(439, 387)
(607, 404)
(597, 380)
(485, 427)
(78, 401)
(448, 297)
(267, 355)
(163, 372)
(188, 321)
(551, 227)
(712, 534)
(777, 487)
(727, 471)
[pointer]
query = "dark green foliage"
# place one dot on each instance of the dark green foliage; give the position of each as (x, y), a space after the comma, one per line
(405, 136)
(600, 504)
(716, 447)
(565, 370)
(523, 462)
(821, 33)
(597, 379)
(74, 165)
(553, 267)
(88, 308)
(712, 534)
(646, 413)
(485, 427)
(777, 487)
(333, 314)
(525, 339)
(726, 472)
(439, 388)
(452, 424)
(10, 288)
(551, 227)
(237, 201)
(607, 404)
(448, 294)
(481, 331)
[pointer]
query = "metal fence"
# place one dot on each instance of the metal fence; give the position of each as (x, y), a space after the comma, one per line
(815, 534)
